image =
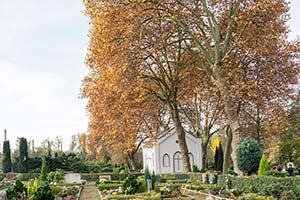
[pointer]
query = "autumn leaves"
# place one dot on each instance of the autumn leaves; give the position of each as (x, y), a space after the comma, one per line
(195, 65)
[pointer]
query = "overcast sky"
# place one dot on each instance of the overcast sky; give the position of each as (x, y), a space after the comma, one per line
(42, 50)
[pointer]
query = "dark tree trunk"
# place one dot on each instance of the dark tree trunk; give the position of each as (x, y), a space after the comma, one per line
(204, 152)
(227, 149)
(181, 138)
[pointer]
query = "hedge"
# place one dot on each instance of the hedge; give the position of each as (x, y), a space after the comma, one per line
(145, 196)
(84, 176)
(114, 176)
(28, 176)
(263, 185)
(108, 186)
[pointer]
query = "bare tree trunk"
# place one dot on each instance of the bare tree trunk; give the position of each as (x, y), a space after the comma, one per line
(232, 116)
(181, 138)
(132, 163)
(204, 151)
(227, 149)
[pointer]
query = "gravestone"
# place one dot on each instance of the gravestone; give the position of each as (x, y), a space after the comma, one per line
(73, 178)
(107, 177)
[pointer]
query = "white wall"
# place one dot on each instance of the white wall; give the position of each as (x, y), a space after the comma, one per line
(149, 159)
(168, 145)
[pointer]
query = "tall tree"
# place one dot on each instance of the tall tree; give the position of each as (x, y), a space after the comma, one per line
(149, 64)
(236, 44)
(232, 39)
(289, 150)
(6, 163)
(23, 157)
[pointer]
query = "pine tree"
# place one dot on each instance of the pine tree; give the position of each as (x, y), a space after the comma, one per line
(43, 176)
(6, 164)
(23, 157)
(263, 165)
(219, 158)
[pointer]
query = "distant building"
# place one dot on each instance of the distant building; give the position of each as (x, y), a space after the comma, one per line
(165, 155)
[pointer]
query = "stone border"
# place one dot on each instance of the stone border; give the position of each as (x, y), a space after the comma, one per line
(79, 193)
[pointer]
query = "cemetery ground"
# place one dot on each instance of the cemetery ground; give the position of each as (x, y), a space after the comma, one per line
(133, 185)
(67, 177)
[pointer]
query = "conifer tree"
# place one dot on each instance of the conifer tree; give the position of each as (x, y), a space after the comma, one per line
(6, 164)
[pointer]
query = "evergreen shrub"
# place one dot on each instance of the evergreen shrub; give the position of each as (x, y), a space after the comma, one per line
(248, 156)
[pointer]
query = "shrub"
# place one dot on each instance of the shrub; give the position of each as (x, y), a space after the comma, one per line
(263, 165)
(251, 196)
(58, 176)
(43, 192)
(263, 185)
(32, 187)
(141, 196)
(146, 173)
(195, 168)
(109, 186)
(16, 191)
(131, 185)
(43, 176)
(248, 156)
(276, 173)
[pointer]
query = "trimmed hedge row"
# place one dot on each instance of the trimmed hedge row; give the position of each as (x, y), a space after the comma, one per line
(114, 176)
(263, 185)
(144, 196)
(84, 176)
(109, 186)
(28, 176)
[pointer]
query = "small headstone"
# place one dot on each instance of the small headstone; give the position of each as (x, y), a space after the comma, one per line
(204, 178)
(73, 178)
(107, 177)
(149, 185)
(212, 179)
(181, 176)
(158, 178)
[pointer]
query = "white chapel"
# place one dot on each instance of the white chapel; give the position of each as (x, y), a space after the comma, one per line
(165, 155)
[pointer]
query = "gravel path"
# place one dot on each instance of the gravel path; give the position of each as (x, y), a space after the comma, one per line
(90, 192)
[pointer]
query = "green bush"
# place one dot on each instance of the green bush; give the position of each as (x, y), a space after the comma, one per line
(141, 196)
(248, 156)
(200, 187)
(146, 173)
(263, 185)
(276, 173)
(263, 165)
(109, 186)
(43, 175)
(29, 176)
(43, 192)
(131, 185)
(16, 191)
(114, 176)
(195, 168)
(251, 196)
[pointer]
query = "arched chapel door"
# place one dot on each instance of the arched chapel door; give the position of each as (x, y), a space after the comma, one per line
(177, 162)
